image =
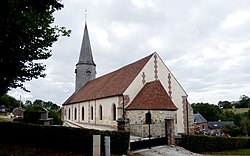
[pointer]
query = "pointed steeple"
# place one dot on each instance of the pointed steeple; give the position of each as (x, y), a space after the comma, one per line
(86, 52)
(85, 68)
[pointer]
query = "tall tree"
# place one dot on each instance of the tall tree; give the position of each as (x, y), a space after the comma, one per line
(26, 35)
(225, 104)
(209, 111)
(244, 102)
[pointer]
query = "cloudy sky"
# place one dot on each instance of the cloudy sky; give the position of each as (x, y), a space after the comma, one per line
(206, 45)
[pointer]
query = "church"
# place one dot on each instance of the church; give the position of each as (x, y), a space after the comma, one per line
(146, 85)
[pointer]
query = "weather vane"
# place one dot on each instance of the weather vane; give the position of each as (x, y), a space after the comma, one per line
(85, 13)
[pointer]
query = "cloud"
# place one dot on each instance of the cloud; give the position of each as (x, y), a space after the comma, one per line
(236, 19)
(204, 43)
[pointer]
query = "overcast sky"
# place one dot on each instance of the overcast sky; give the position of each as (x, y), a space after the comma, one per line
(205, 43)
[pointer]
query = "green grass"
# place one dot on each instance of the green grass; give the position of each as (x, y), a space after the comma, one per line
(232, 152)
(237, 110)
(5, 120)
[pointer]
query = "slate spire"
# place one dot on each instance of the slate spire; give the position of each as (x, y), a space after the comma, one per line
(86, 56)
(86, 67)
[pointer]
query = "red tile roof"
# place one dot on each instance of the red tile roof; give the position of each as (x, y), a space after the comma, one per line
(114, 83)
(152, 97)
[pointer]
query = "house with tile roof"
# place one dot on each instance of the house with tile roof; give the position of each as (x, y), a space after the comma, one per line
(146, 85)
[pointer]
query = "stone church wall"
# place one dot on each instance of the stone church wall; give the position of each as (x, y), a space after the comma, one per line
(138, 126)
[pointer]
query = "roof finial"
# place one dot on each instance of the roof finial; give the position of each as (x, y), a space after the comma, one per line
(85, 13)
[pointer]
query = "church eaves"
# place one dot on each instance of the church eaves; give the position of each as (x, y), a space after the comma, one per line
(86, 52)
(112, 84)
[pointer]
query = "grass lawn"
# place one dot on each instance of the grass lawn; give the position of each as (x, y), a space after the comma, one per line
(2, 119)
(232, 152)
(237, 110)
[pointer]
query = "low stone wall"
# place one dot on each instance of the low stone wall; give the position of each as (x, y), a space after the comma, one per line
(142, 130)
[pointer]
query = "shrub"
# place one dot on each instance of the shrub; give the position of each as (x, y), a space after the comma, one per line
(60, 138)
(119, 141)
(201, 143)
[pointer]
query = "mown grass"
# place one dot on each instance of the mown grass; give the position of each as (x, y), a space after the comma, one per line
(237, 110)
(232, 152)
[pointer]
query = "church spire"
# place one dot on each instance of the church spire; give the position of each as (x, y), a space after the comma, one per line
(86, 56)
(85, 68)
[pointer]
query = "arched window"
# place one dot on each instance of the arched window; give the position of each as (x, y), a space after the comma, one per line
(92, 113)
(75, 113)
(69, 113)
(114, 111)
(100, 112)
(82, 113)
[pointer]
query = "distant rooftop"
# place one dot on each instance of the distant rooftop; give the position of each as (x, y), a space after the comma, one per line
(219, 124)
(199, 119)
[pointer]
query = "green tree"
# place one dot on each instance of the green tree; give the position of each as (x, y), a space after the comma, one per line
(26, 37)
(227, 116)
(38, 102)
(225, 104)
(51, 105)
(244, 102)
(209, 111)
(32, 114)
(56, 117)
(9, 102)
(232, 130)
(28, 102)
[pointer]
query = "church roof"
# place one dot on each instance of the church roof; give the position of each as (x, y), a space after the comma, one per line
(152, 97)
(86, 52)
(114, 83)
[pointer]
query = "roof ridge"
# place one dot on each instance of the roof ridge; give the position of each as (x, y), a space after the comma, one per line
(127, 65)
(110, 84)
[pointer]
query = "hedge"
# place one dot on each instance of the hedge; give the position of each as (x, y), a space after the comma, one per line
(202, 143)
(60, 138)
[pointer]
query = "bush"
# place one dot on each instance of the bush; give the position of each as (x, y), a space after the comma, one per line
(201, 143)
(232, 130)
(119, 141)
(60, 138)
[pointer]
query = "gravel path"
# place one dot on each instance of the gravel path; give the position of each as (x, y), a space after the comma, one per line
(164, 151)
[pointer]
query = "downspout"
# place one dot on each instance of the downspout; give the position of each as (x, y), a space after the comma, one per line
(123, 112)
(187, 117)
(95, 111)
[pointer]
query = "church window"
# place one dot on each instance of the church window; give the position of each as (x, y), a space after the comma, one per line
(69, 113)
(75, 113)
(100, 109)
(92, 113)
(82, 113)
(114, 112)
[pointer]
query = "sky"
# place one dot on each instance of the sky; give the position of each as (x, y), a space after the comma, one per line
(205, 44)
